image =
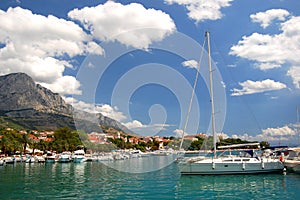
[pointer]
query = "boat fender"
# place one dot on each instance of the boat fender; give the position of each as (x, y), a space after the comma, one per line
(284, 171)
(243, 165)
(262, 164)
(281, 157)
(213, 165)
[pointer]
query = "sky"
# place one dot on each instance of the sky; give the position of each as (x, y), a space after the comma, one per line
(136, 61)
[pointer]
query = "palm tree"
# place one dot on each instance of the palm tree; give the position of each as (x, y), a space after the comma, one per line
(25, 141)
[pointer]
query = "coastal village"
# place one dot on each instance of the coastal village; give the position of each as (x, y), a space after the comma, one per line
(96, 138)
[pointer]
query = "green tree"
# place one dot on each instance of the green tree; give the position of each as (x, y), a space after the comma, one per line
(65, 140)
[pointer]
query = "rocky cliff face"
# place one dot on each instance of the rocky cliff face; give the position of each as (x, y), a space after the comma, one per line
(32, 106)
(19, 92)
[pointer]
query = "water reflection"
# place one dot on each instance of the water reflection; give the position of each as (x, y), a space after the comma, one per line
(265, 186)
(93, 180)
(79, 172)
(141, 164)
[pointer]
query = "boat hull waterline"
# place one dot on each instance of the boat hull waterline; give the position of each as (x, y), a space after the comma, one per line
(217, 166)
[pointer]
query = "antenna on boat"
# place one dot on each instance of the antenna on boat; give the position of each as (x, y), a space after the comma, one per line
(211, 96)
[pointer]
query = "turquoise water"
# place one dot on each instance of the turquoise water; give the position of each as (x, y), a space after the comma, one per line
(97, 181)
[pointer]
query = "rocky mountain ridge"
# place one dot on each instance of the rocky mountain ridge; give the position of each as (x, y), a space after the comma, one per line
(18, 91)
(33, 106)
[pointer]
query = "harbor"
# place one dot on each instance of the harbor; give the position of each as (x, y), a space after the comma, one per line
(95, 180)
(135, 161)
(137, 100)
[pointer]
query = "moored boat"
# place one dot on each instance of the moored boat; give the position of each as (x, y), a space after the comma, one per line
(292, 162)
(244, 163)
(65, 157)
(30, 159)
(225, 164)
(40, 159)
(9, 160)
(79, 156)
(51, 157)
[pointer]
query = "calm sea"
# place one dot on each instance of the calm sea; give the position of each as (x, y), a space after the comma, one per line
(93, 180)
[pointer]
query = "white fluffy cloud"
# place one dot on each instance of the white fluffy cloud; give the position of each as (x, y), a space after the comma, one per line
(200, 10)
(40, 46)
(109, 111)
(132, 24)
(279, 134)
(251, 87)
(104, 109)
(265, 18)
(294, 73)
(179, 132)
(222, 136)
(279, 131)
(114, 113)
(190, 64)
(273, 51)
(134, 124)
(64, 85)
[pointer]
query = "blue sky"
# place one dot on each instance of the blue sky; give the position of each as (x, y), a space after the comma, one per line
(135, 61)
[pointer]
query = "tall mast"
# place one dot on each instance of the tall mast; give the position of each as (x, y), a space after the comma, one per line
(297, 124)
(211, 96)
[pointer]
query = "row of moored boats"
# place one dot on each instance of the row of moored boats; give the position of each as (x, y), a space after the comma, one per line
(80, 156)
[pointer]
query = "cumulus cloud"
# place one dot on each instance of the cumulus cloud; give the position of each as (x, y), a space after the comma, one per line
(132, 24)
(265, 18)
(251, 87)
(41, 47)
(294, 73)
(114, 113)
(222, 136)
(110, 111)
(105, 109)
(146, 128)
(134, 124)
(273, 51)
(200, 10)
(279, 131)
(190, 64)
(284, 134)
(267, 66)
(179, 132)
(64, 85)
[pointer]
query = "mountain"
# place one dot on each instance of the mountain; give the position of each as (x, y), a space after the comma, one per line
(18, 91)
(23, 103)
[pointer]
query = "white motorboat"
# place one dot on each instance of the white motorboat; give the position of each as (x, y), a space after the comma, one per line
(161, 152)
(138, 154)
(9, 160)
(18, 158)
(40, 159)
(79, 156)
(1, 162)
(30, 159)
(65, 157)
(105, 157)
(224, 164)
(292, 162)
(51, 157)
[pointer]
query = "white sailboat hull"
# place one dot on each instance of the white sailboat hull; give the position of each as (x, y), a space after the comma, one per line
(221, 166)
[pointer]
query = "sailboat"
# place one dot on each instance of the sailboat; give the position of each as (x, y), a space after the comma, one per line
(292, 162)
(248, 163)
